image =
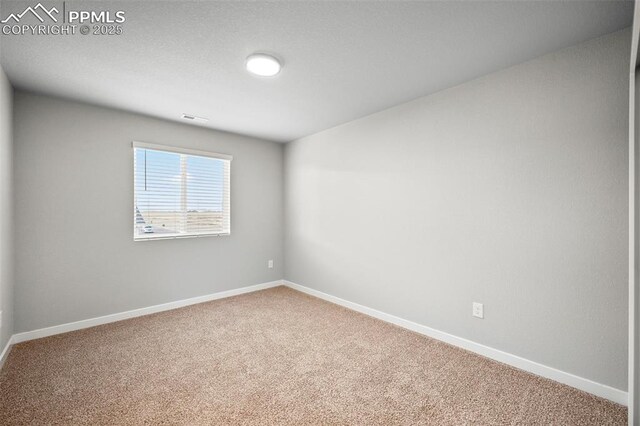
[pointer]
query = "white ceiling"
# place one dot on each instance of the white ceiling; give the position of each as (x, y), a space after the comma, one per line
(343, 60)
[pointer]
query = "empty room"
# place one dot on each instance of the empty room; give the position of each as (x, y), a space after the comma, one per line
(319, 212)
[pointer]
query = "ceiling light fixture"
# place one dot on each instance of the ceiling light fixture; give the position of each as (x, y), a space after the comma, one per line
(263, 65)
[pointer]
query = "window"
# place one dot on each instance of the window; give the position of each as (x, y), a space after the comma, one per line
(180, 192)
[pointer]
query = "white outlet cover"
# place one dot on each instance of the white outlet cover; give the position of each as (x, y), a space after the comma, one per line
(270, 264)
(478, 310)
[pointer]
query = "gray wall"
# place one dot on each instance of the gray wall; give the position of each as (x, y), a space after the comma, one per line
(76, 258)
(510, 190)
(634, 305)
(6, 210)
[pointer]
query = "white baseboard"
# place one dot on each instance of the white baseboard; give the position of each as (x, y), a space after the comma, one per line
(5, 351)
(598, 389)
(92, 322)
(572, 380)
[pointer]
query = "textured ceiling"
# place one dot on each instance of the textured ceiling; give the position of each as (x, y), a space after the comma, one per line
(343, 60)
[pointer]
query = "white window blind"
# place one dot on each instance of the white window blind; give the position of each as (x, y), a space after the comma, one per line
(180, 192)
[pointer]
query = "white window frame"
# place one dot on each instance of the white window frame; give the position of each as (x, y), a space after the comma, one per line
(186, 151)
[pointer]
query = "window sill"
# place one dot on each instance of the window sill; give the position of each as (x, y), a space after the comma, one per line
(180, 237)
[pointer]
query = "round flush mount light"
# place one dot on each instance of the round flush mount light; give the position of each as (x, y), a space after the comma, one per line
(263, 65)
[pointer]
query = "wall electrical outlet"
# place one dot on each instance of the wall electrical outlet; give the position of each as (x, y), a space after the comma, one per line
(0, 319)
(270, 264)
(478, 310)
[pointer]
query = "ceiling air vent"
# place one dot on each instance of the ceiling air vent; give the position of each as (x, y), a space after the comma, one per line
(194, 118)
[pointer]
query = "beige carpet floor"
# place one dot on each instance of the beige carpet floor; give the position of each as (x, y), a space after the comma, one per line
(274, 357)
